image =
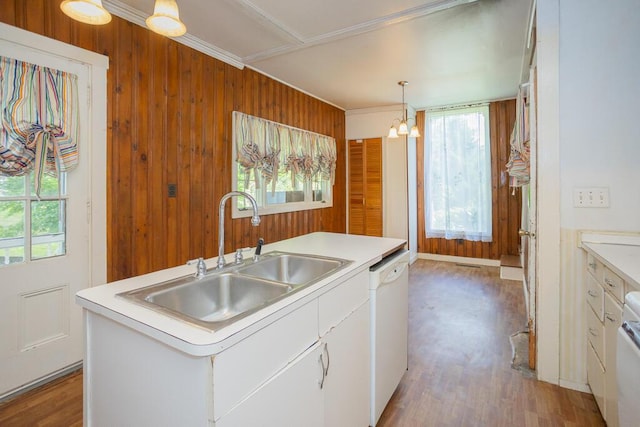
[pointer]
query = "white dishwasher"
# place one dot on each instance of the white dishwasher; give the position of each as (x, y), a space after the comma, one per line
(628, 362)
(389, 299)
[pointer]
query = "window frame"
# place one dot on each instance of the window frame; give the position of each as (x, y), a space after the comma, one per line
(475, 235)
(240, 208)
(28, 197)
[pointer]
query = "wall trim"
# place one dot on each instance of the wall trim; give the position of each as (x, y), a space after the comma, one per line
(575, 386)
(133, 15)
(460, 259)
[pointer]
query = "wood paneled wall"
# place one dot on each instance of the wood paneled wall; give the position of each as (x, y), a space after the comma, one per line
(506, 208)
(169, 122)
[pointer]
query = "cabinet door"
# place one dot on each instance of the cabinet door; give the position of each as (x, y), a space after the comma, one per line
(612, 321)
(595, 376)
(293, 397)
(346, 352)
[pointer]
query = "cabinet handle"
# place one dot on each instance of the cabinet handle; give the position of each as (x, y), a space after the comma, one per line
(610, 283)
(592, 294)
(610, 317)
(593, 332)
(326, 350)
(321, 382)
(592, 265)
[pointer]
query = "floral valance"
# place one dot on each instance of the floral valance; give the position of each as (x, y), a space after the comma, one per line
(39, 120)
(268, 147)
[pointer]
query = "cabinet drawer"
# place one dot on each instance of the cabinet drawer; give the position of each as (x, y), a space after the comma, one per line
(595, 296)
(595, 376)
(242, 368)
(614, 284)
(595, 333)
(342, 300)
(595, 267)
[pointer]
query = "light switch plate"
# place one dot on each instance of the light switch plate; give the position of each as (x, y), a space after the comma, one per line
(591, 197)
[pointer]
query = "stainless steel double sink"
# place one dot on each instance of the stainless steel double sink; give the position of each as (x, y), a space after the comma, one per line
(226, 295)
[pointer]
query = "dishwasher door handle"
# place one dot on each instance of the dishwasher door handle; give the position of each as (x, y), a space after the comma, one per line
(394, 273)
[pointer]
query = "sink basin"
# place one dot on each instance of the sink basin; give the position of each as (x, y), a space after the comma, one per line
(212, 301)
(293, 269)
(227, 295)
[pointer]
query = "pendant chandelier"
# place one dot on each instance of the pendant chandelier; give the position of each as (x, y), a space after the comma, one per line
(165, 19)
(403, 129)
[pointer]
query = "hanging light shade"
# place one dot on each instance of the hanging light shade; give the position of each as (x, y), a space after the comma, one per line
(402, 128)
(87, 11)
(166, 19)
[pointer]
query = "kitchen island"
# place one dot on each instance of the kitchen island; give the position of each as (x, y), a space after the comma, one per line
(303, 360)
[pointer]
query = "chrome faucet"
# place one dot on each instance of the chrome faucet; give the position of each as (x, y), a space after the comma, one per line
(255, 220)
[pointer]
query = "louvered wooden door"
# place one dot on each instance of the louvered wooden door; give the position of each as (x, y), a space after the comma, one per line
(365, 187)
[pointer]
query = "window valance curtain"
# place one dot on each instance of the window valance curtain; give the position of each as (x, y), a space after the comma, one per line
(518, 166)
(268, 147)
(39, 120)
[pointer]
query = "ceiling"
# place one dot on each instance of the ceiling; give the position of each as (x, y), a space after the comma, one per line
(352, 53)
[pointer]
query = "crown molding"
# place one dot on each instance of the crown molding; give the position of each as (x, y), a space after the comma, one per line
(134, 16)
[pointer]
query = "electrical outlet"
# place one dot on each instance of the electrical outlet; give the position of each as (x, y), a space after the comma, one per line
(591, 197)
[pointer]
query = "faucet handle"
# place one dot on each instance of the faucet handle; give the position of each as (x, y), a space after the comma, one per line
(239, 257)
(201, 267)
(256, 254)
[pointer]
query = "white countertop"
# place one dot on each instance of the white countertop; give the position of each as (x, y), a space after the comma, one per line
(621, 252)
(364, 251)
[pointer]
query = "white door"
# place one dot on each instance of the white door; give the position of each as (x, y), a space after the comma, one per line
(528, 230)
(44, 255)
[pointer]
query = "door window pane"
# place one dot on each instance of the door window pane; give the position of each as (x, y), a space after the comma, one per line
(50, 186)
(12, 231)
(11, 186)
(47, 228)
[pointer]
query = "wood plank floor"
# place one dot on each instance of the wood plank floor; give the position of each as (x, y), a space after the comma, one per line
(58, 403)
(460, 319)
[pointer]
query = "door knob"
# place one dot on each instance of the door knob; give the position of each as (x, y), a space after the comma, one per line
(522, 232)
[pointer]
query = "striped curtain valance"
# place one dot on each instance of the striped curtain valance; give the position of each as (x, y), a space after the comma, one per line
(518, 165)
(267, 147)
(39, 120)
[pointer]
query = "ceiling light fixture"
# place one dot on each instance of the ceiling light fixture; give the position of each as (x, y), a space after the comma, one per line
(166, 19)
(87, 11)
(402, 128)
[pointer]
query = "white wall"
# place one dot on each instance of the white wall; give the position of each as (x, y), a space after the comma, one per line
(596, 112)
(398, 186)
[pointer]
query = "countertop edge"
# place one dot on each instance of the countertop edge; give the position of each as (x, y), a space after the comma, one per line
(196, 341)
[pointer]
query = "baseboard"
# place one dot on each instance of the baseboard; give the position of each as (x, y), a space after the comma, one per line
(41, 381)
(575, 386)
(460, 259)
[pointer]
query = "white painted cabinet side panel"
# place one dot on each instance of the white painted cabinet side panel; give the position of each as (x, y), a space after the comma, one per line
(133, 380)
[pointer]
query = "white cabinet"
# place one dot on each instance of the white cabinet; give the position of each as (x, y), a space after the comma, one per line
(309, 367)
(328, 385)
(604, 294)
(347, 347)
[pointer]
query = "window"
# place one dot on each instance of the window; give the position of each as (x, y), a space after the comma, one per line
(32, 229)
(285, 169)
(458, 174)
